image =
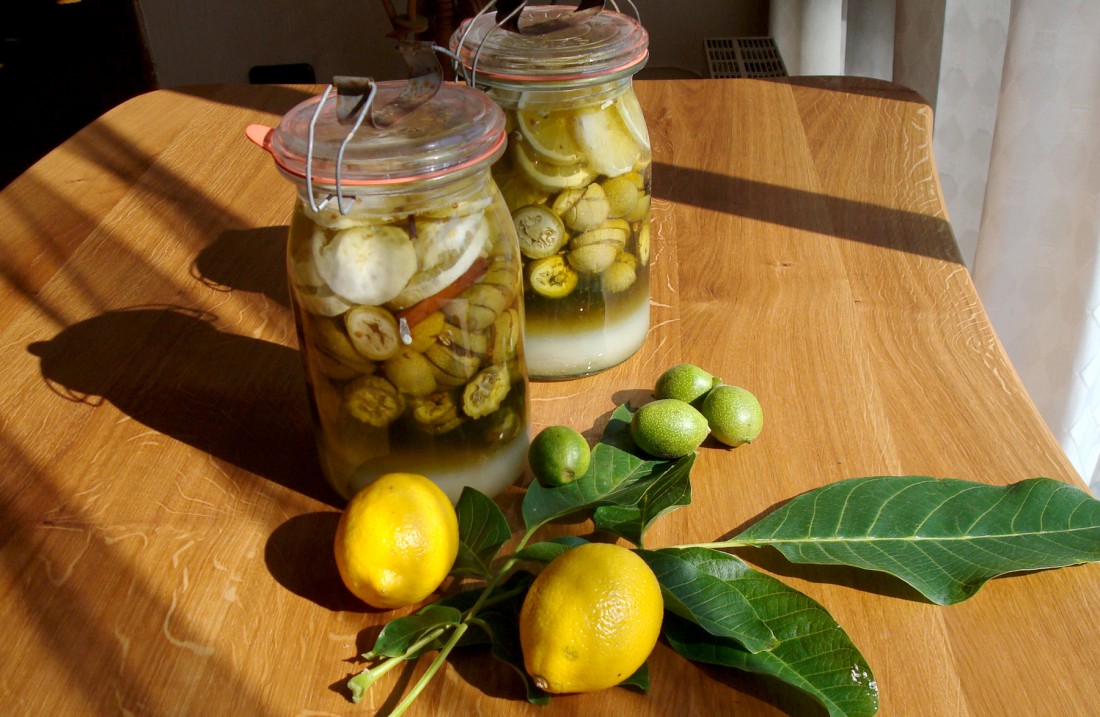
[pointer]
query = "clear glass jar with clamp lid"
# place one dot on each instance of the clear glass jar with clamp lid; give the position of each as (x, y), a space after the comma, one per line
(405, 278)
(576, 177)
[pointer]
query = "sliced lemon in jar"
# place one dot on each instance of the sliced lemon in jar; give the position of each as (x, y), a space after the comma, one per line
(366, 265)
(540, 231)
(630, 112)
(310, 290)
(640, 212)
(423, 334)
(469, 343)
(320, 300)
(444, 251)
(550, 177)
(608, 147)
(549, 134)
(451, 367)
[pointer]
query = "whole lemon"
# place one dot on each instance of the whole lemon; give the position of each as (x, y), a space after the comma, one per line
(590, 619)
(397, 540)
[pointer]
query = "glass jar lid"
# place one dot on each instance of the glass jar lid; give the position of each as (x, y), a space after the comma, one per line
(458, 128)
(596, 47)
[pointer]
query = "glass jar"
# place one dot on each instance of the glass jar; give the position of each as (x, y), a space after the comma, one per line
(405, 281)
(576, 178)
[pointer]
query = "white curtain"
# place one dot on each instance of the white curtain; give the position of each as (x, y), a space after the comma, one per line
(1015, 85)
(1036, 265)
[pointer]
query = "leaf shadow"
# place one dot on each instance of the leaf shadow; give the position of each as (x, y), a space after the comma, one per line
(635, 397)
(868, 581)
(788, 699)
(479, 669)
(773, 561)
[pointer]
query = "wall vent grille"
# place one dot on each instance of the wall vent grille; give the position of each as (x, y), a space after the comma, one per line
(743, 57)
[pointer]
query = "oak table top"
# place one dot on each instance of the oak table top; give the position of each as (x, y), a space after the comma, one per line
(165, 535)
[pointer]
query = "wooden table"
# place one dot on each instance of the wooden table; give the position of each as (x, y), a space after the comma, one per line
(165, 534)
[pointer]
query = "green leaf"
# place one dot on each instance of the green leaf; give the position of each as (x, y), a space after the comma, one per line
(616, 476)
(663, 494)
(945, 537)
(640, 678)
(809, 649)
(402, 633)
(482, 530)
(717, 591)
(546, 551)
(815, 654)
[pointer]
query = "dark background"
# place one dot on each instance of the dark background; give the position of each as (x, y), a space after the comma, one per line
(61, 66)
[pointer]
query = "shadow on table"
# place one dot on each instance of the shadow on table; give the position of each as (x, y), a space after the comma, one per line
(773, 561)
(241, 400)
(885, 227)
(252, 260)
(66, 618)
(277, 99)
(867, 581)
(298, 554)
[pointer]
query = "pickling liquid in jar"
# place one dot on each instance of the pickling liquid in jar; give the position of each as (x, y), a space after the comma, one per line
(577, 180)
(410, 320)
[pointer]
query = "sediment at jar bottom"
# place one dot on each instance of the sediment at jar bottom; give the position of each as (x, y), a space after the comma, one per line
(488, 472)
(430, 379)
(558, 351)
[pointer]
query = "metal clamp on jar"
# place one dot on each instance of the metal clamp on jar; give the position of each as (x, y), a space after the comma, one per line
(576, 176)
(406, 282)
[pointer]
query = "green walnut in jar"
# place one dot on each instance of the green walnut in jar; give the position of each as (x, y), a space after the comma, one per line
(406, 285)
(576, 178)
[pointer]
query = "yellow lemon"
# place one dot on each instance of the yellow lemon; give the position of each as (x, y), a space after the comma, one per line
(396, 541)
(590, 619)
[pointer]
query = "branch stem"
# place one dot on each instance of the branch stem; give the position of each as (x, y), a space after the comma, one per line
(440, 658)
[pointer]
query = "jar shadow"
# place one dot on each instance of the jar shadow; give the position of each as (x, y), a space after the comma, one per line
(252, 260)
(171, 369)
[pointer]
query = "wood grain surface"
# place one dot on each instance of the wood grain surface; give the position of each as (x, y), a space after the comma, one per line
(165, 531)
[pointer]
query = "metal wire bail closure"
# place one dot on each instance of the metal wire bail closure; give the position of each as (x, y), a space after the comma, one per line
(348, 89)
(507, 18)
